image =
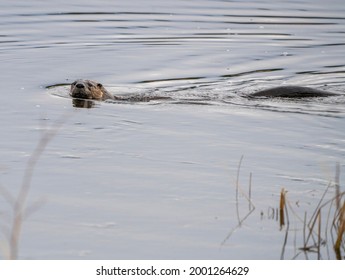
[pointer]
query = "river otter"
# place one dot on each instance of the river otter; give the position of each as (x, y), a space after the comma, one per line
(87, 89)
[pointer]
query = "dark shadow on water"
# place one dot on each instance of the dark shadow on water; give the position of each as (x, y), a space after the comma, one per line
(83, 103)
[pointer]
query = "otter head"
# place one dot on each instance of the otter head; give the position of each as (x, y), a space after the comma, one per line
(87, 89)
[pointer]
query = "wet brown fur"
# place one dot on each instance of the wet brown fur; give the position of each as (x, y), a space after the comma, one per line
(87, 89)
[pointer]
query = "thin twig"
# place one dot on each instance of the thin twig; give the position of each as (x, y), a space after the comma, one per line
(20, 201)
(287, 226)
(237, 190)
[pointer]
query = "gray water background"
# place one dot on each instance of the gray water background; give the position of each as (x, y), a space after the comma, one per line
(157, 180)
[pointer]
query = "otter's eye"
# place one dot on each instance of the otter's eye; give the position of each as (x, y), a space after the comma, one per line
(74, 83)
(99, 85)
(90, 85)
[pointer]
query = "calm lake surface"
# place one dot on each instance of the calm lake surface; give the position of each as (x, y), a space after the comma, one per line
(159, 180)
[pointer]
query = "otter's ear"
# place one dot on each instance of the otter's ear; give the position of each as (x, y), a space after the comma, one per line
(99, 85)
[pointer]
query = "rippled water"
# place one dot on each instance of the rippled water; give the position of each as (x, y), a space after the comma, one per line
(158, 179)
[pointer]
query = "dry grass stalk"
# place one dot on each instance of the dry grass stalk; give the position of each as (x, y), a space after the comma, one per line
(248, 199)
(337, 185)
(319, 235)
(282, 206)
(340, 231)
(250, 191)
(283, 212)
(316, 229)
(18, 203)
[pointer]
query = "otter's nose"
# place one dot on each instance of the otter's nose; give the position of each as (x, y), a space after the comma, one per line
(79, 85)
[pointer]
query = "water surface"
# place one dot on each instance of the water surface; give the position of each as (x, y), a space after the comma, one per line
(157, 180)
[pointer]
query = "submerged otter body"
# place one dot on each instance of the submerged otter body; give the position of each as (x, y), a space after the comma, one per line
(291, 92)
